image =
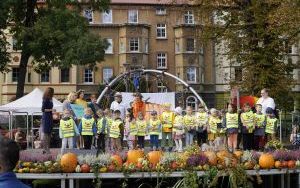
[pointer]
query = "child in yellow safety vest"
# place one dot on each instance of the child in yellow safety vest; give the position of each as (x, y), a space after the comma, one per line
(115, 131)
(247, 119)
(102, 129)
(141, 125)
(271, 124)
(213, 122)
(259, 131)
(202, 121)
(167, 121)
(178, 129)
(67, 130)
(130, 130)
(231, 122)
(87, 128)
(189, 121)
(154, 129)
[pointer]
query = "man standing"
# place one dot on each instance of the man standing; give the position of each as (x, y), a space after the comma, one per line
(118, 105)
(9, 156)
(265, 100)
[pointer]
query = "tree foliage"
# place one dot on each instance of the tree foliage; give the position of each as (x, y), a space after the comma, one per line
(54, 33)
(257, 35)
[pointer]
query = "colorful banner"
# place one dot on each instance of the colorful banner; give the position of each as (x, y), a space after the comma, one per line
(78, 110)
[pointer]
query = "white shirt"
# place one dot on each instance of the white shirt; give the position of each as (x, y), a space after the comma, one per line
(119, 106)
(265, 103)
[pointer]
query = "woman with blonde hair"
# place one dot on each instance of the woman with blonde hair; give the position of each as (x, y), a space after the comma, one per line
(71, 98)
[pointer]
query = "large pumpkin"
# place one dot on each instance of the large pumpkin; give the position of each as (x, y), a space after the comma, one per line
(68, 162)
(117, 160)
(212, 158)
(154, 157)
(134, 155)
(266, 161)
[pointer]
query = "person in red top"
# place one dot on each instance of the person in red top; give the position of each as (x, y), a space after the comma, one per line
(138, 105)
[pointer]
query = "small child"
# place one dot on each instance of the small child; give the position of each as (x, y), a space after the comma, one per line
(141, 130)
(189, 121)
(154, 129)
(213, 122)
(259, 131)
(247, 119)
(202, 120)
(87, 128)
(102, 127)
(67, 130)
(115, 131)
(271, 124)
(231, 122)
(108, 116)
(130, 130)
(178, 129)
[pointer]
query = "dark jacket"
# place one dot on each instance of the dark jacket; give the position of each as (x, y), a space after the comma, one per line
(9, 179)
(47, 119)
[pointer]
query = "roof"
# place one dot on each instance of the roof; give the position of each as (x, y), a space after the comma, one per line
(152, 2)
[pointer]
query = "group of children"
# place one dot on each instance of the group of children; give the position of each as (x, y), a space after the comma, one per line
(110, 132)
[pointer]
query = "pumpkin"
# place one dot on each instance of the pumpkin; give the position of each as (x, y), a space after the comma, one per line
(223, 154)
(68, 162)
(134, 155)
(174, 165)
(111, 168)
(117, 160)
(266, 161)
(291, 164)
(85, 168)
(212, 158)
(278, 164)
(154, 157)
(284, 164)
(238, 153)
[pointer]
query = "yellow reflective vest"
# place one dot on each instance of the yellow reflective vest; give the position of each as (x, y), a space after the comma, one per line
(115, 131)
(141, 127)
(201, 118)
(232, 120)
(178, 124)
(213, 124)
(248, 120)
(167, 119)
(132, 129)
(154, 127)
(259, 120)
(67, 128)
(270, 125)
(190, 121)
(87, 126)
(101, 127)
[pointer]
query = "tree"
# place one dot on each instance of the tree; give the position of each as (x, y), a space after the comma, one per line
(257, 34)
(54, 34)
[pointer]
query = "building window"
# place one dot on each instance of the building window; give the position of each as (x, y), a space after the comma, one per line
(15, 74)
(161, 11)
(290, 49)
(191, 74)
(177, 46)
(88, 76)
(134, 44)
(29, 77)
(132, 16)
(190, 45)
(45, 76)
(161, 31)
(65, 75)
(107, 16)
(122, 47)
(191, 101)
(189, 17)
(107, 74)
(88, 14)
(15, 44)
(161, 88)
(238, 74)
(161, 60)
(146, 47)
(109, 49)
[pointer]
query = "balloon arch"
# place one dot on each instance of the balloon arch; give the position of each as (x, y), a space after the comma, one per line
(145, 71)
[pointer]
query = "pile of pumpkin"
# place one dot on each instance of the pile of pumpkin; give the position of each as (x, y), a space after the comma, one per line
(194, 159)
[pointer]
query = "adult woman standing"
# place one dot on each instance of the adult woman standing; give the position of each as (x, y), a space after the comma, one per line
(47, 119)
(71, 98)
(80, 99)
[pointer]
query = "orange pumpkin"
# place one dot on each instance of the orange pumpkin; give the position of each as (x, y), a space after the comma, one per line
(154, 157)
(238, 153)
(291, 164)
(174, 165)
(117, 160)
(278, 164)
(85, 168)
(284, 164)
(68, 162)
(134, 155)
(212, 158)
(266, 161)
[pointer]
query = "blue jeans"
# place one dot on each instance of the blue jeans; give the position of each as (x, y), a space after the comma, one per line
(154, 141)
(189, 137)
(141, 141)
